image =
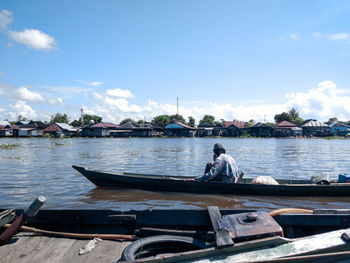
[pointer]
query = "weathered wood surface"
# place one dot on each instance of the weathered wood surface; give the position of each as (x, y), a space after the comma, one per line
(27, 247)
(222, 236)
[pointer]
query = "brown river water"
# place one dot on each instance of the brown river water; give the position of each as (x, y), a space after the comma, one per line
(42, 166)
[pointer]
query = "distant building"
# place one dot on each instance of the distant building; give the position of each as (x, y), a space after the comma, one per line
(315, 128)
(61, 129)
(234, 128)
(286, 129)
(260, 130)
(33, 128)
(179, 129)
(205, 129)
(102, 129)
(340, 129)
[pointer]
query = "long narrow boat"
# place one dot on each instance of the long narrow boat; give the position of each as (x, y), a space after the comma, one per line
(59, 235)
(245, 187)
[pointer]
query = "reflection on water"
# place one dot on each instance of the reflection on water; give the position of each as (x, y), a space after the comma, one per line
(43, 166)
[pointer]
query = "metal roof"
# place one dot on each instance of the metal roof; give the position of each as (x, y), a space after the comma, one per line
(285, 124)
(104, 125)
(238, 124)
(314, 123)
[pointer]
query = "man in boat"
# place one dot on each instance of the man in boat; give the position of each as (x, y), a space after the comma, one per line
(224, 168)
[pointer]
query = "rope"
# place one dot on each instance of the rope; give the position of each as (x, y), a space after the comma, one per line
(76, 235)
(290, 210)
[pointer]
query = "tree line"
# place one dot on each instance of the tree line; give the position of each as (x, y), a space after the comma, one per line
(163, 120)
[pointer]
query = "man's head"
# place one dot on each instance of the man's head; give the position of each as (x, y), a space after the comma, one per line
(218, 149)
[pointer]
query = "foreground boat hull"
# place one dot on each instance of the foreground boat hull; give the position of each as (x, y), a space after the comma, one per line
(178, 184)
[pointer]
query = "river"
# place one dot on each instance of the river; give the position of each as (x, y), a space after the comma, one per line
(42, 166)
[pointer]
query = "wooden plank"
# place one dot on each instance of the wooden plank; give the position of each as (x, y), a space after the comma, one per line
(222, 236)
(104, 251)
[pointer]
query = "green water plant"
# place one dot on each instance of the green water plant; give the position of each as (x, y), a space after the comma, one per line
(9, 146)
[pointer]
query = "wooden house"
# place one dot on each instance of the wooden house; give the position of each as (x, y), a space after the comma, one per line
(4, 132)
(12, 130)
(179, 129)
(315, 128)
(340, 129)
(33, 128)
(286, 129)
(234, 128)
(124, 130)
(148, 129)
(260, 130)
(61, 129)
(205, 129)
(102, 129)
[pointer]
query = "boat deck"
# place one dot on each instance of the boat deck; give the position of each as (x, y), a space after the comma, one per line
(28, 247)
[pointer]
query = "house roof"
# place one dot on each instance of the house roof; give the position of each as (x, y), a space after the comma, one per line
(261, 125)
(177, 125)
(285, 124)
(205, 124)
(314, 123)
(127, 126)
(12, 126)
(53, 128)
(35, 124)
(238, 124)
(338, 124)
(104, 125)
(67, 127)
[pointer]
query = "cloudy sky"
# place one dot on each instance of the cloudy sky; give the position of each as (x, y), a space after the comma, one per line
(131, 59)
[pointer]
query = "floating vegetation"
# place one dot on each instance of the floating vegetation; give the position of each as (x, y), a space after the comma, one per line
(9, 146)
(335, 137)
(60, 144)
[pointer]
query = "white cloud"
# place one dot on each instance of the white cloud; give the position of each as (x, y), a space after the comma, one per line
(6, 17)
(322, 103)
(119, 93)
(23, 93)
(34, 38)
(96, 83)
(338, 36)
(21, 108)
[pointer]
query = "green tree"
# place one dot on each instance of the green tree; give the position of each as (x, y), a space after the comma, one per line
(221, 122)
(331, 120)
(208, 118)
(191, 122)
(86, 119)
(292, 116)
(21, 118)
(126, 121)
(60, 118)
(161, 120)
(177, 118)
(139, 122)
(75, 123)
(284, 116)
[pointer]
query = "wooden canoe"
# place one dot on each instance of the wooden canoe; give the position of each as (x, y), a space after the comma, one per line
(178, 184)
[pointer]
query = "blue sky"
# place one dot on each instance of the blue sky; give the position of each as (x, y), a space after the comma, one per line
(118, 59)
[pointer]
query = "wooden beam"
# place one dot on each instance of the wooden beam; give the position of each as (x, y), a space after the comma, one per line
(222, 236)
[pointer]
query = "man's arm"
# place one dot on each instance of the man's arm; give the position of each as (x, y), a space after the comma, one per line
(217, 166)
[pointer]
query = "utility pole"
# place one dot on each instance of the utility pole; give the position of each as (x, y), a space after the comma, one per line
(177, 106)
(82, 117)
